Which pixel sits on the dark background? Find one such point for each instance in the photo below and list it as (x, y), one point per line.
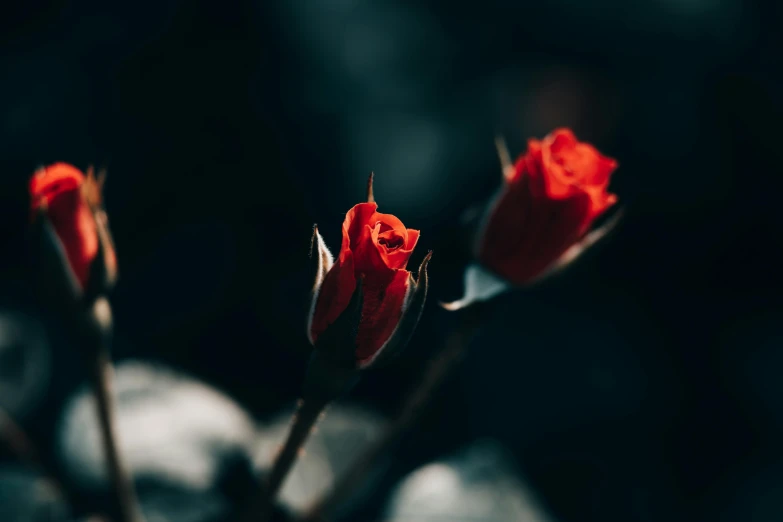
(642, 385)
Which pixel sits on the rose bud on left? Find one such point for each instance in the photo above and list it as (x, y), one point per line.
(365, 304)
(75, 267)
(67, 212)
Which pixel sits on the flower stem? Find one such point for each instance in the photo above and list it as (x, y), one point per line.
(302, 425)
(414, 406)
(122, 485)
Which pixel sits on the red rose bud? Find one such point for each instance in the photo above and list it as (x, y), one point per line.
(370, 273)
(540, 220)
(551, 197)
(66, 206)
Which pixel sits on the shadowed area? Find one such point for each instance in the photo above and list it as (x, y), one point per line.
(639, 384)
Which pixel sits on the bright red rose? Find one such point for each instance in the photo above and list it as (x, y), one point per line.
(70, 201)
(375, 247)
(551, 197)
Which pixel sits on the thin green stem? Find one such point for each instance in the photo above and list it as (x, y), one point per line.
(122, 484)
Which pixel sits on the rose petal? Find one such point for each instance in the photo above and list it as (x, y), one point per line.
(413, 238)
(559, 179)
(334, 294)
(557, 190)
(558, 226)
(74, 223)
(50, 181)
(355, 222)
(383, 307)
(395, 258)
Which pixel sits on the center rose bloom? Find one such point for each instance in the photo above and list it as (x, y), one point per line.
(551, 197)
(375, 247)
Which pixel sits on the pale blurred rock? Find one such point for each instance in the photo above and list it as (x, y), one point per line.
(478, 484)
(171, 427)
(164, 505)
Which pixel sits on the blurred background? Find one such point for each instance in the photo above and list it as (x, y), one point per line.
(642, 385)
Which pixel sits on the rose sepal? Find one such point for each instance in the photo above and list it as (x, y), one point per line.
(480, 285)
(103, 270)
(321, 261)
